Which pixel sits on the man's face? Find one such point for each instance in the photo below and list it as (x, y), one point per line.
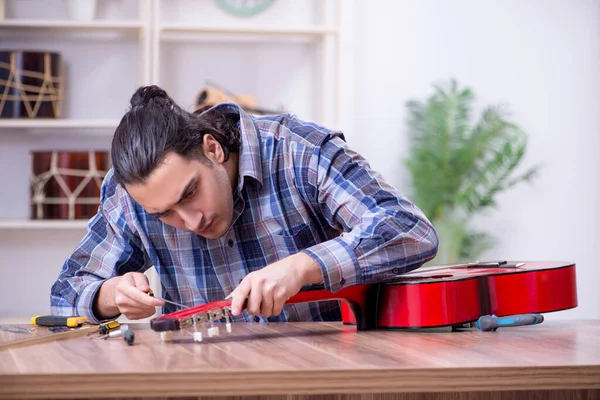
(191, 195)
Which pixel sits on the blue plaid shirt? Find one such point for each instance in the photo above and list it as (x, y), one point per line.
(300, 188)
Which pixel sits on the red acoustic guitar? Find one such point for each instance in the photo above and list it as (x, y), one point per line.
(452, 295)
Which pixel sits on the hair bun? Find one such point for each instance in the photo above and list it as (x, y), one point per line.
(144, 94)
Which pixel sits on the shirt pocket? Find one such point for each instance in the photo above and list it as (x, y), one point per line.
(286, 243)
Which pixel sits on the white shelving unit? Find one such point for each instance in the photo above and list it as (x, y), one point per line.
(58, 123)
(295, 61)
(77, 130)
(328, 28)
(153, 33)
(317, 31)
(68, 25)
(43, 224)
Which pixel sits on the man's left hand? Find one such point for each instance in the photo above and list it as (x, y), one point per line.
(268, 289)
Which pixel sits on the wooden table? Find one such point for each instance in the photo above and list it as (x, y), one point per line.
(558, 360)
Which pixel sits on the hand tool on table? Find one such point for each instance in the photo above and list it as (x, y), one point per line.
(84, 329)
(108, 327)
(491, 322)
(112, 334)
(115, 332)
(58, 320)
(63, 323)
(128, 337)
(151, 293)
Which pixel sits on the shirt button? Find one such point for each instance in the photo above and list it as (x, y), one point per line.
(257, 319)
(230, 243)
(343, 282)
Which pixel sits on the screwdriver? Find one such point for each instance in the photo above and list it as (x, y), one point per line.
(117, 333)
(491, 322)
(151, 293)
(58, 320)
(57, 323)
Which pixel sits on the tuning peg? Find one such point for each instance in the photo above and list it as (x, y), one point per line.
(213, 331)
(227, 319)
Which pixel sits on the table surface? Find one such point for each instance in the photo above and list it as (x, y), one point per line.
(274, 358)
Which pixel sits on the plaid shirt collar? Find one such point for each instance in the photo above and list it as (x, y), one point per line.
(250, 162)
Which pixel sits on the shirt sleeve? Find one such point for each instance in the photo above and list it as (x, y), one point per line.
(110, 247)
(383, 233)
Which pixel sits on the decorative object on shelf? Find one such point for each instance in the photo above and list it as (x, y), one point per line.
(458, 168)
(66, 184)
(81, 10)
(212, 95)
(244, 8)
(30, 84)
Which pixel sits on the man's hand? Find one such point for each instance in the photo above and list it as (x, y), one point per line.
(127, 295)
(268, 289)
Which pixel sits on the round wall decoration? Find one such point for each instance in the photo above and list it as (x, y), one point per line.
(244, 8)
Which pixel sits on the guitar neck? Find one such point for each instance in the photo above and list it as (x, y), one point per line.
(357, 297)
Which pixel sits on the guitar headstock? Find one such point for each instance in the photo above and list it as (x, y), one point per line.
(196, 319)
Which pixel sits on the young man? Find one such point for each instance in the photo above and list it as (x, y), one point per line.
(226, 204)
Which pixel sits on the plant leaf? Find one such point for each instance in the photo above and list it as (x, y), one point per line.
(457, 167)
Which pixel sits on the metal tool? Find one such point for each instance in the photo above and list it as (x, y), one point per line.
(491, 322)
(493, 264)
(59, 330)
(56, 323)
(151, 293)
(112, 334)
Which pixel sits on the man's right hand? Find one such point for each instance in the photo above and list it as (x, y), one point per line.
(127, 295)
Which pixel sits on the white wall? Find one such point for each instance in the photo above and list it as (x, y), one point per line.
(541, 58)
(101, 73)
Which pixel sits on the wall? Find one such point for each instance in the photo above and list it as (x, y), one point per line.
(539, 57)
(101, 72)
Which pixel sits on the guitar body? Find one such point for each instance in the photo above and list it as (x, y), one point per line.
(429, 297)
(435, 297)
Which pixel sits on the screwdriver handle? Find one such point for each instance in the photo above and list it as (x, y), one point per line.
(107, 327)
(57, 320)
(491, 322)
(128, 337)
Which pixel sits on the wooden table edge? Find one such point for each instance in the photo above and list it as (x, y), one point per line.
(234, 383)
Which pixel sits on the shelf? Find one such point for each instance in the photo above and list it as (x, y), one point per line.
(71, 25)
(58, 123)
(43, 224)
(251, 30)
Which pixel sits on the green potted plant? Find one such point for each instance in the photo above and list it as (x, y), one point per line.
(458, 167)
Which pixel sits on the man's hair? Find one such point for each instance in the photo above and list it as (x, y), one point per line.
(155, 126)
